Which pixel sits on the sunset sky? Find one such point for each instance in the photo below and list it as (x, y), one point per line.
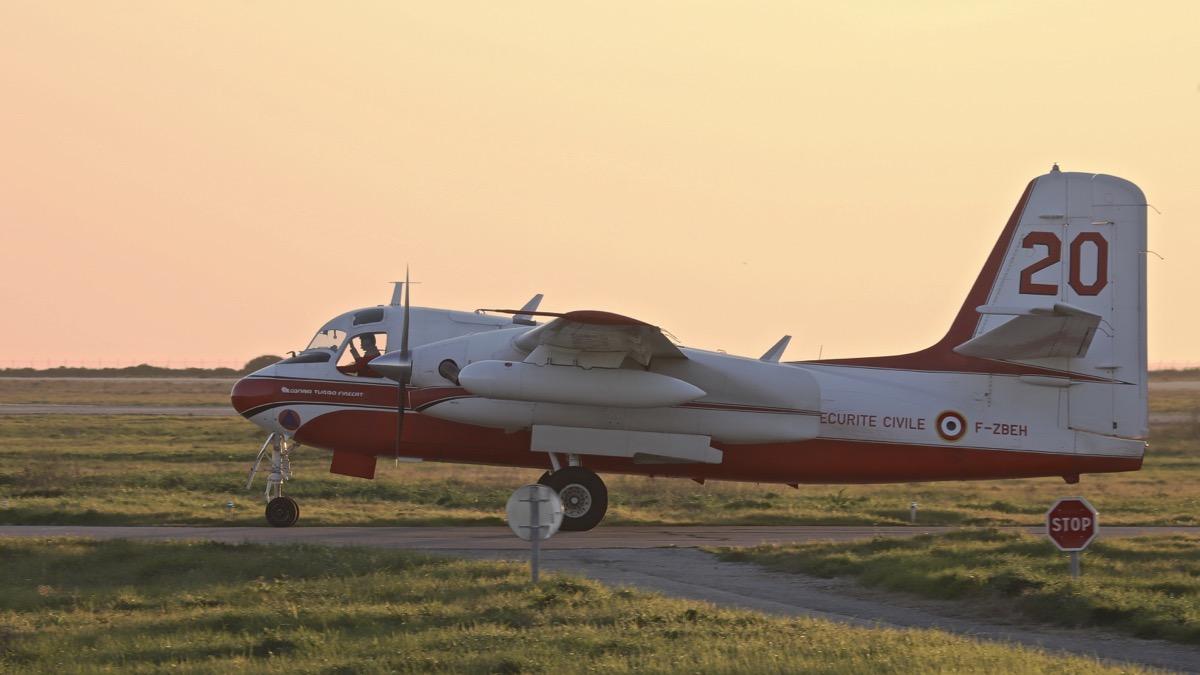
(211, 181)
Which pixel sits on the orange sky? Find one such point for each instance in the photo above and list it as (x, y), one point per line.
(213, 180)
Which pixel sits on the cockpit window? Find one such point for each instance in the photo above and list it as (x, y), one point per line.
(310, 357)
(359, 352)
(330, 338)
(373, 315)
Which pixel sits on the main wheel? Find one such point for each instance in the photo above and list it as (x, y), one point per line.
(584, 497)
(283, 512)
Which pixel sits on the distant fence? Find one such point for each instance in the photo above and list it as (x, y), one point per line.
(1174, 365)
(100, 363)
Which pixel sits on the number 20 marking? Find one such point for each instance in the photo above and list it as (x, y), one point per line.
(1053, 256)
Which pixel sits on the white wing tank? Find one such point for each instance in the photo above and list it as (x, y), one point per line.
(611, 387)
(744, 401)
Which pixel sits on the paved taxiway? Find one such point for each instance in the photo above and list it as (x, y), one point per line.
(668, 560)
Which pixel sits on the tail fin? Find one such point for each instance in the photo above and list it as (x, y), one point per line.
(1061, 301)
(1070, 296)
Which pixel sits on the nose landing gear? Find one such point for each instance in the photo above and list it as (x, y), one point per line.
(281, 511)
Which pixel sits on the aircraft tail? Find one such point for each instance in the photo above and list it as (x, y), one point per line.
(1061, 301)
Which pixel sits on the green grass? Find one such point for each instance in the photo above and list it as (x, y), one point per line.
(120, 392)
(1169, 397)
(85, 606)
(1148, 587)
(154, 470)
(133, 470)
(88, 606)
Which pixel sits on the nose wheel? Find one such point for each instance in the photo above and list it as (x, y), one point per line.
(584, 497)
(281, 511)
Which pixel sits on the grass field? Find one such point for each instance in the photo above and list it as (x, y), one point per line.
(117, 391)
(86, 606)
(148, 470)
(1148, 587)
(82, 606)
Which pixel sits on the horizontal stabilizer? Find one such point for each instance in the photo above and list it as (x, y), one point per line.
(1038, 333)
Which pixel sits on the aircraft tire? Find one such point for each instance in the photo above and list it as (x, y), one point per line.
(583, 494)
(283, 512)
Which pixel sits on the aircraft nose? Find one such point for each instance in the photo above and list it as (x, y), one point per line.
(250, 393)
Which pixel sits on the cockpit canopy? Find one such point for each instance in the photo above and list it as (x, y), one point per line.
(354, 339)
(333, 334)
(327, 338)
(343, 336)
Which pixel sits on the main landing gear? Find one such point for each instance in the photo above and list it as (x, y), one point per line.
(584, 496)
(281, 511)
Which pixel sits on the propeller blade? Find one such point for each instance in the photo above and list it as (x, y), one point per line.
(406, 372)
(398, 366)
(404, 332)
(395, 366)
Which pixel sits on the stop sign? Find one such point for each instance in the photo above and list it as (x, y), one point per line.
(1071, 524)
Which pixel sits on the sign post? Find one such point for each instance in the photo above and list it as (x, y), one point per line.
(534, 513)
(1072, 524)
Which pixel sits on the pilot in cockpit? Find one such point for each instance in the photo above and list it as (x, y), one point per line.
(361, 365)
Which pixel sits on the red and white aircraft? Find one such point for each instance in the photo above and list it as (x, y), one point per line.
(1042, 373)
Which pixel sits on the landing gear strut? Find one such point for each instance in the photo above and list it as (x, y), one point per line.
(281, 511)
(584, 496)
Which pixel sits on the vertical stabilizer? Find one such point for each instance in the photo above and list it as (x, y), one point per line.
(1060, 301)
(1075, 262)
(1070, 297)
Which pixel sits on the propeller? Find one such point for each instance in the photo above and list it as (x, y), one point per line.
(398, 366)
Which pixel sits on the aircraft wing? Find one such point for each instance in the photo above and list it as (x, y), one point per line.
(586, 350)
(1042, 332)
(591, 338)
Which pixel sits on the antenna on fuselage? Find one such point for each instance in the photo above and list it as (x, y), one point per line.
(776, 352)
(525, 319)
(398, 291)
(406, 361)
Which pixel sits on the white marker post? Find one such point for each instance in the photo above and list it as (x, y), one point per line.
(540, 520)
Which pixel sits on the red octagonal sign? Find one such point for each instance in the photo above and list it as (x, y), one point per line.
(1071, 524)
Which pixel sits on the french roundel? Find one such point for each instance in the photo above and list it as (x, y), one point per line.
(951, 426)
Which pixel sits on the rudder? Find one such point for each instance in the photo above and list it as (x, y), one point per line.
(1070, 297)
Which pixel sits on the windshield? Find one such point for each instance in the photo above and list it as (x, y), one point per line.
(330, 338)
